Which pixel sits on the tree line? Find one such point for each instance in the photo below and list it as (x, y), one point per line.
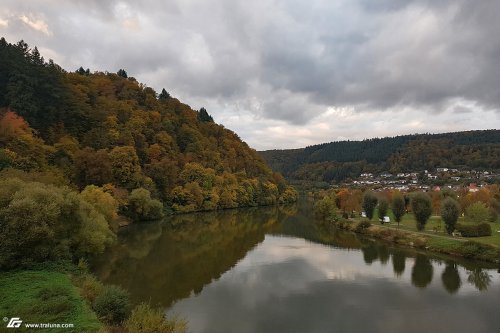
(338, 161)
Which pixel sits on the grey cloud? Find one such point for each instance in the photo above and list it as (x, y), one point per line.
(282, 60)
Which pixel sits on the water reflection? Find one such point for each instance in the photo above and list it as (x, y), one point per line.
(276, 270)
(421, 273)
(451, 278)
(479, 278)
(398, 262)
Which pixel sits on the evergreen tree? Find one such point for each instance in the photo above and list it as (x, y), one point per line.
(204, 116)
(122, 73)
(163, 95)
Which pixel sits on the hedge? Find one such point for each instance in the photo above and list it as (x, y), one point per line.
(474, 230)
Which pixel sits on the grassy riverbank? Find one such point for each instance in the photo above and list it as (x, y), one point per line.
(432, 241)
(45, 296)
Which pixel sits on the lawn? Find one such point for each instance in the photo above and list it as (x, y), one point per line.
(44, 297)
(435, 226)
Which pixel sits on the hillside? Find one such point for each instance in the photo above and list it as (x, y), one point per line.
(338, 161)
(108, 130)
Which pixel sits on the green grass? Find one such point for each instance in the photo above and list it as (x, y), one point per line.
(435, 226)
(44, 297)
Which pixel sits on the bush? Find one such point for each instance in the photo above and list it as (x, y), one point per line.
(90, 288)
(477, 212)
(421, 206)
(361, 226)
(112, 305)
(474, 230)
(144, 319)
(142, 207)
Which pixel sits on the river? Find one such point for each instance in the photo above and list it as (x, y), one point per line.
(275, 269)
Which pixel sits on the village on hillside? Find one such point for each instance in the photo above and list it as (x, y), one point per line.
(425, 180)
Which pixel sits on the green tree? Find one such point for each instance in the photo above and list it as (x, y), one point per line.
(477, 212)
(325, 208)
(369, 203)
(383, 206)
(421, 206)
(102, 201)
(450, 211)
(142, 207)
(40, 222)
(398, 207)
(125, 166)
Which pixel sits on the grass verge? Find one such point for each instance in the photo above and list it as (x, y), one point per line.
(44, 296)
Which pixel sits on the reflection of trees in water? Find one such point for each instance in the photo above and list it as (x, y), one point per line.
(421, 274)
(383, 253)
(370, 253)
(451, 278)
(164, 262)
(479, 278)
(398, 262)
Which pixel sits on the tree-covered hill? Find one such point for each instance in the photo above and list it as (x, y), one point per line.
(337, 161)
(104, 129)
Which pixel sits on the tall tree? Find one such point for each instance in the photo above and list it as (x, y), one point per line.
(398, 206)
(383, 206)
(421, 206)
(450, 211)
(369, 203)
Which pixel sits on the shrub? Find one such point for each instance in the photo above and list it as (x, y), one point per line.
(383, 206)
(90, 288)
(477, 212)
(474, 230)
(144, 319)
(143, 207)
(112, 305)
(449, 213)
(421, 206)
(369, 203)
(362, 225)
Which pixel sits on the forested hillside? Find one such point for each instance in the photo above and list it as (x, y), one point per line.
(104, 129)
(337, 161)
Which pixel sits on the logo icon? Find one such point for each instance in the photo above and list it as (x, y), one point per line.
(14, 323)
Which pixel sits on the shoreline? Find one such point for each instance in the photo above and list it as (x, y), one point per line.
(462, 248)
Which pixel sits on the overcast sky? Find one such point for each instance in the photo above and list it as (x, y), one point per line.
(289, 73)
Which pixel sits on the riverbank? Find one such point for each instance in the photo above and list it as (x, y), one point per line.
(63, 297)
(459, 247)
(45, 296)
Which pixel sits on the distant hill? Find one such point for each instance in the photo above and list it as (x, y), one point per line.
(338, 161)
(105, 129)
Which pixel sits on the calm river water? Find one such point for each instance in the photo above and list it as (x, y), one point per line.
(275, 269)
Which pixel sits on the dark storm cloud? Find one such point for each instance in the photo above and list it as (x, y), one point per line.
(288, 61)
